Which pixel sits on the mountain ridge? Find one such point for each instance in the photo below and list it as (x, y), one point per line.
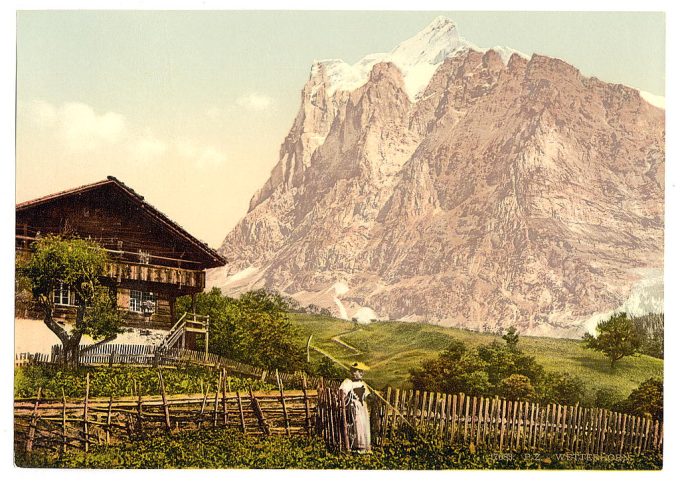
(484, 200)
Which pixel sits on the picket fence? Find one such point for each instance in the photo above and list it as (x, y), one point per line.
(506, 425)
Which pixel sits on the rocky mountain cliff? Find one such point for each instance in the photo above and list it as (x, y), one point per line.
(467, 187)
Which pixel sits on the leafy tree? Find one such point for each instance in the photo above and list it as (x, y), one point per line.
(517, 387)
(645, 400)
(650, 328)
(254, 328)
(502, 361)
(450, 371)
(329, 369)
(479, 371)
(616, 338)
(561, 388)
(511, 337)
(78, 264)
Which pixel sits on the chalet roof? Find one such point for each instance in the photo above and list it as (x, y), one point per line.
(138, 200)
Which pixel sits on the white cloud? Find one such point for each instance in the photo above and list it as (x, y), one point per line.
(147, 148)
(255, 102)
(42, 113)
(75, 127)
(78, 126)
(200, 156)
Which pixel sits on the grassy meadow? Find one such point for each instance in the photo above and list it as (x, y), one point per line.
(392, 348)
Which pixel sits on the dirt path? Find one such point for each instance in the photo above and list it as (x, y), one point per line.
(337, 340)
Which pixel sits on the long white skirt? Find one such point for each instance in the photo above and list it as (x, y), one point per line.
(360, 429)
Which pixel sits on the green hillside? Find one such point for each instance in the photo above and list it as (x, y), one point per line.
(392, 348)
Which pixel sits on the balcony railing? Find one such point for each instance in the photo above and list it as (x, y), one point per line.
(120, 270)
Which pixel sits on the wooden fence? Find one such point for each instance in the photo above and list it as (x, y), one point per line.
(66, 423)
(149, 355)
(331, 419)
(504, 425)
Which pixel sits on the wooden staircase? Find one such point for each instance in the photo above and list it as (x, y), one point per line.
(188, 322)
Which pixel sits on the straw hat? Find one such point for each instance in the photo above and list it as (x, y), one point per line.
(360, 366)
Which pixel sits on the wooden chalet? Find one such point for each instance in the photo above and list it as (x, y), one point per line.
(152, 260)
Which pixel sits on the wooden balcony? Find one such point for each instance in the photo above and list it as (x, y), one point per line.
(128, 271)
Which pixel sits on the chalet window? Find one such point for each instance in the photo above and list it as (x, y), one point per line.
(62, 295)
(142, 301)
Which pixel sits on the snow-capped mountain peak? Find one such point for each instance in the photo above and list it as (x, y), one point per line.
(431, 45)
(417, 58)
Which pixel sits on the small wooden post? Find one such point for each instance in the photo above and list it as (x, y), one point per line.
(217, 397)
(283, 403)
(521, 418)
(386, 414)
(166, 408)
(393, 411)
(467, 414)
(205, 400)
(423, 403)
(306, 397)
(207, 336)
(258, 412)
(138, 389)
(63, 421)
(473, 419)
(112, 356)
(344, 431)
(108, 422)
(454, 417)
(240, 411)
(480, 421)
(532, 428)
(225, 416)
(503, 408)
(85, 412)
(429, 408)
(34, 423)
(623, 433)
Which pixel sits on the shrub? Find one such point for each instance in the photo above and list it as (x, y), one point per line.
(561, 388)
(646, 400)
(517, 388)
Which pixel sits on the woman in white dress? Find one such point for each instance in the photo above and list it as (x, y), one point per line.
(355, 391)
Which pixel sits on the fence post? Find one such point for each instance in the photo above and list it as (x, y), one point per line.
(393, 411)
(217, 397)
(306, 398)
(138, 389)
(240, 411)
(205, 400)
(258, 412)
(34, 423)
(344, 432)
(225, 417)
(166, 409)
(283, 403)
(503, 408)
(85, 413)
(108, 421)
(63, 420)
